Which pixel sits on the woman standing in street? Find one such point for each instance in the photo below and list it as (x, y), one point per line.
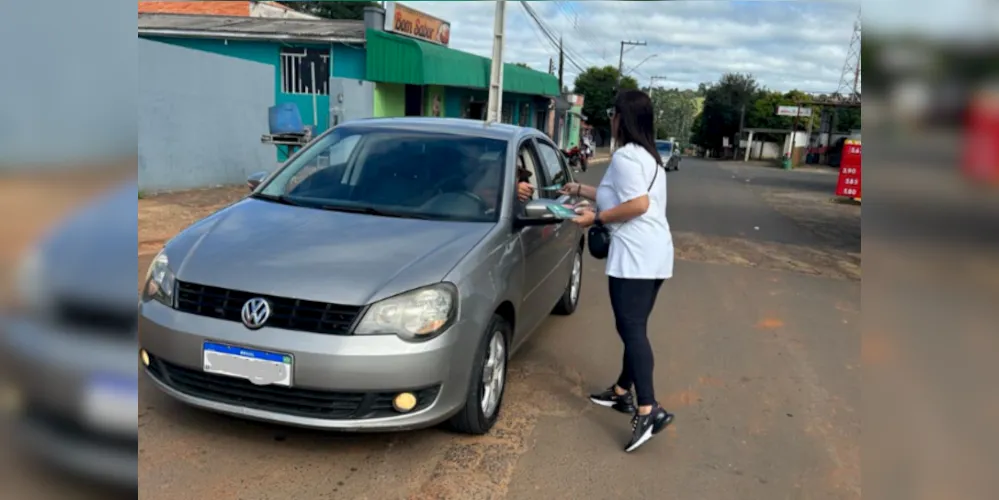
(631, 205)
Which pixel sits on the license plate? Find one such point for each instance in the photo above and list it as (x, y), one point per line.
(259, 367)
(111, 403)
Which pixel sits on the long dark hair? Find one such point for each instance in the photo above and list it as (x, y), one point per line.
(636, 123)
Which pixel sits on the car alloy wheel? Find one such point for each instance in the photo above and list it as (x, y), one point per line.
(493, 375)
(577, 278)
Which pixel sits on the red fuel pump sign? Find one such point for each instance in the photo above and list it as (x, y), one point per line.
(849, 170)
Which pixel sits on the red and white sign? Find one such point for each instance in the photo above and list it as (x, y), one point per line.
(849, 170)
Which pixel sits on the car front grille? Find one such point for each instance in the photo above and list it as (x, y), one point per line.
(289, 314)
(113, 321)
(287, 400)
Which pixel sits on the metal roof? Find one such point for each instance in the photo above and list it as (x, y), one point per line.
(251, 28)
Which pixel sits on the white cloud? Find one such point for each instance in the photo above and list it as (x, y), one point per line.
(784, 44)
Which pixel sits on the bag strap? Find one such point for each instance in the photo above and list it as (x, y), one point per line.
(654, 176)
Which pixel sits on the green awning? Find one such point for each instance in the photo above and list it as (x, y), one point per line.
(396, 59)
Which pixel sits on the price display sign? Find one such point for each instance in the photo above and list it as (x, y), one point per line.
(849, 170)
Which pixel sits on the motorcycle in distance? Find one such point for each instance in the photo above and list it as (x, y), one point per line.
(576, 158)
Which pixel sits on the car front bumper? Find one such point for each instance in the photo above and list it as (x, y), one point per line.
(53, 371)
(338, 382)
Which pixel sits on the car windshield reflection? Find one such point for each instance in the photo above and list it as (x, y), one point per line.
(397, 173)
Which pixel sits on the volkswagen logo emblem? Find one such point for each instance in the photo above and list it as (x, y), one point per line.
(255, 312)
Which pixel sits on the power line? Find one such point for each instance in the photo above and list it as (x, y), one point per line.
(574, 21)
(548, 34)
(534, 30)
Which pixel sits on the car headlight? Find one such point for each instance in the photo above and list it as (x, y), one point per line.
(418, 315)
(159, 281)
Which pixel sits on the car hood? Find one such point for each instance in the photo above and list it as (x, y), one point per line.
(311, 254)
(83, 256)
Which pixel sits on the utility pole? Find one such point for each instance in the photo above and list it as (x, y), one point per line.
(794, 131)
(620, 59)
(551, 66)
(620, 74)
(742, 125)
(494, 113)
(561, 63)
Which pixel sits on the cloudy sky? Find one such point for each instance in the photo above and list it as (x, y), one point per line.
(785, 45)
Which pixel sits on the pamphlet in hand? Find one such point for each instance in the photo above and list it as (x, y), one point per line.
(562, 211)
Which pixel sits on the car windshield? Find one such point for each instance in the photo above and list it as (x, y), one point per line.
(394, 172)
(664, 147)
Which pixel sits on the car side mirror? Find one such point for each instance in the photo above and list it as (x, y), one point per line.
(536, 213)
(254, 180)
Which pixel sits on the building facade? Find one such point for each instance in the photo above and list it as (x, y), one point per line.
(206, 84)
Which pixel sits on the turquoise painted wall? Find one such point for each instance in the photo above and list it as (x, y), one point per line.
(348, 62)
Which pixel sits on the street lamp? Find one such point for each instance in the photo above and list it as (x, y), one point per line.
(641, 63)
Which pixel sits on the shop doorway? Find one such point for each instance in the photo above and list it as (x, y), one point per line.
(476, 110)
(414, 100)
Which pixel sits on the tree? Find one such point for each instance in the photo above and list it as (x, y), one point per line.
(333, 10)
(722, 109)
(522, 65)
(847, 119)
(763, 112)
(599, 86)
(675, 111)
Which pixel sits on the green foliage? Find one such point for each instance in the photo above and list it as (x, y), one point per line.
(675, 112)
(763, 112)
(629, 83)
(333, 10)
(599, 86)
(522, 65)
(723, 104)
(848, 119)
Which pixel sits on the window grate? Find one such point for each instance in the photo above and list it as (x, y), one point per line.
(298, 67)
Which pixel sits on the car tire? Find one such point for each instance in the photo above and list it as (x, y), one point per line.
(570, 297)
(473, 418)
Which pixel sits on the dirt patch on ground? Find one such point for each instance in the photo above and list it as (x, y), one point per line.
(161, 216)
(829, 263)
(833, 220)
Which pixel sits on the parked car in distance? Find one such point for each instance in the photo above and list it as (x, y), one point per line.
(379, 280)
(671, 158)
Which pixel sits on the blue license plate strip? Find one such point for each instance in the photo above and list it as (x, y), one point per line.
(257, 366)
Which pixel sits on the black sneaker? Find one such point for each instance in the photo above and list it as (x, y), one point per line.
(643, 427)
(610, 399)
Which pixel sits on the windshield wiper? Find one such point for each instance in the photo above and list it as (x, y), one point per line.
(284, 200)
(371, 211)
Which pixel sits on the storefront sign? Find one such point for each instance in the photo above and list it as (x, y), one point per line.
(410, 22)
(849, 170)
(793, 111)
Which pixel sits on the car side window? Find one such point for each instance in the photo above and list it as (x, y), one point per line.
(555, 168)
(527, 167)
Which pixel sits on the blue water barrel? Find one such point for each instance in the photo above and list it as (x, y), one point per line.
(285, 119)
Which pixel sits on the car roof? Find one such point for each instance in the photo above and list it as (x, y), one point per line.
(461, 126)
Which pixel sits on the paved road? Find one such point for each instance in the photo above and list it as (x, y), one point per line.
(758, 355)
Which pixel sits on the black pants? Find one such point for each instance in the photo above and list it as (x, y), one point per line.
(632, 301)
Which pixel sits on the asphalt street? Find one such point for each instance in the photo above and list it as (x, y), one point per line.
(757, 339)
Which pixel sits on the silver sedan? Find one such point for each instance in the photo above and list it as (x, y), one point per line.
(379, 280)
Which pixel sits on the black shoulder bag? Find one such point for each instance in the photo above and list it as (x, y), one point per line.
(598, 238)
